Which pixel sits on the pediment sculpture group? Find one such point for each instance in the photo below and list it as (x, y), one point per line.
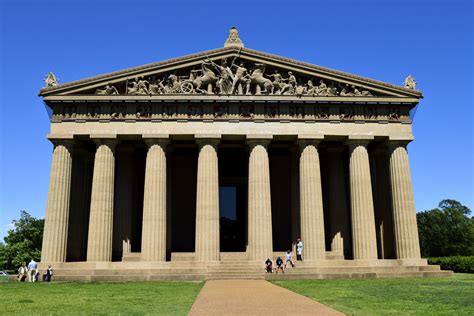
(235, 79)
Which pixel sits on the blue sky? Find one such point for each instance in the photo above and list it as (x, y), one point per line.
(385, 40)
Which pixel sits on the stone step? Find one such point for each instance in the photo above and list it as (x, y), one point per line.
(430, 268)
(312, 276)
(125, 278)
(438, 274)
(303, 270)
(233, 277)
(131, 257)
(135, 272)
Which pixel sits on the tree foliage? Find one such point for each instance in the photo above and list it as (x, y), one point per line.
(23, 242)
(446, 231)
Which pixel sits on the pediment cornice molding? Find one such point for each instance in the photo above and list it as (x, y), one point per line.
(230, 52)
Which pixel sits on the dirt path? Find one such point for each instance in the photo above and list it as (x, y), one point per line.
(254, 297)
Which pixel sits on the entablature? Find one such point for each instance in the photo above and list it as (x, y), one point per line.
(381, 110)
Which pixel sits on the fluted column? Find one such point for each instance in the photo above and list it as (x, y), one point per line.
(154, 202)
(362, 206)
(404, 214)
(99, 245)
(338, 208)
(207, 201)
(260, 243)
(57, 209)
(311, 201)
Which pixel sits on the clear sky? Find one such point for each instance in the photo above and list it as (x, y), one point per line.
(385, 40)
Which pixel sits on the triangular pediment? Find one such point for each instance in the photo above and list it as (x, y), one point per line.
(230, 71)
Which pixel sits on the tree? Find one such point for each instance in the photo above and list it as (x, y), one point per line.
(446, 231)
(23, 242)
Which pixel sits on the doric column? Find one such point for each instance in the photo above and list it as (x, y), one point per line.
(404, 214)
(338, 208)
(154, 202)
(99, 245)
(311, 201)
(57, 209)
(362, 205)
(207, 201)
(260, 244)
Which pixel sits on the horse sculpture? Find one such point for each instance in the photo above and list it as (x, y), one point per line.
(208, 77)
(257, 78)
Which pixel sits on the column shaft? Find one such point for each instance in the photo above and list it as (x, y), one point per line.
(154, 202)
(260, 244)
(404, 213)
(362, 206)
(311, 202)
(338, 208)
(57, 210)
(99, 245)
(207, 202)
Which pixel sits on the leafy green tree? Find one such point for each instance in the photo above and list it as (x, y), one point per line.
(23, 242)
(446, 231)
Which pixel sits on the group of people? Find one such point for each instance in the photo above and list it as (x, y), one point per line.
(280, 265)
(31, 272)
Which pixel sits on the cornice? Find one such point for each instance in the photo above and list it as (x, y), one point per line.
(234, 50)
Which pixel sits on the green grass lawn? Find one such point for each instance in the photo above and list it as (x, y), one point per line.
(170, 298)
(421, 296)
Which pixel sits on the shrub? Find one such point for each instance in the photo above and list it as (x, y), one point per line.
(463, 264)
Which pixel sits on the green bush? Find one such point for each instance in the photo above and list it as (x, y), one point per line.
(464, 264)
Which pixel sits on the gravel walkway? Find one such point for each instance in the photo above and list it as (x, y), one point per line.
(254, 297)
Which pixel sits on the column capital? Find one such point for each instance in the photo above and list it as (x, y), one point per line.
(353, 143)
(256, 139)
(302, 143)
(393, 144)
(203, 140)
(67, 143)
(162, 142)
(110, 142)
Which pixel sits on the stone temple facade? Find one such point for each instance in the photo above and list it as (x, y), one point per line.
(203, 166)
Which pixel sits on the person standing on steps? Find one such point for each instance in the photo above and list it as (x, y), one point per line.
(299, 250)
(289, 259)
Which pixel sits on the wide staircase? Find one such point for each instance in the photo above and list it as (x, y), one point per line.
(182, 267)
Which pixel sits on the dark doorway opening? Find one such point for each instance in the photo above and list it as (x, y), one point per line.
(232, 218)
(233, 165)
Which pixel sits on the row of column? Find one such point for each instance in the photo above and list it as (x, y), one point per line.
(259, 203)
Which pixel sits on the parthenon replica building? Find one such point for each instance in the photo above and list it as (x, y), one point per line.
(204, 166)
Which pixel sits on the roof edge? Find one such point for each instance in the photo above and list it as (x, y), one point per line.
(48, 90)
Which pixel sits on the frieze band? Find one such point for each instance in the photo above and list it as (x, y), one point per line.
(241, 111)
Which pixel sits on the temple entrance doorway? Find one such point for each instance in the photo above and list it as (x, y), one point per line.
(233, 166)
(232, 218)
